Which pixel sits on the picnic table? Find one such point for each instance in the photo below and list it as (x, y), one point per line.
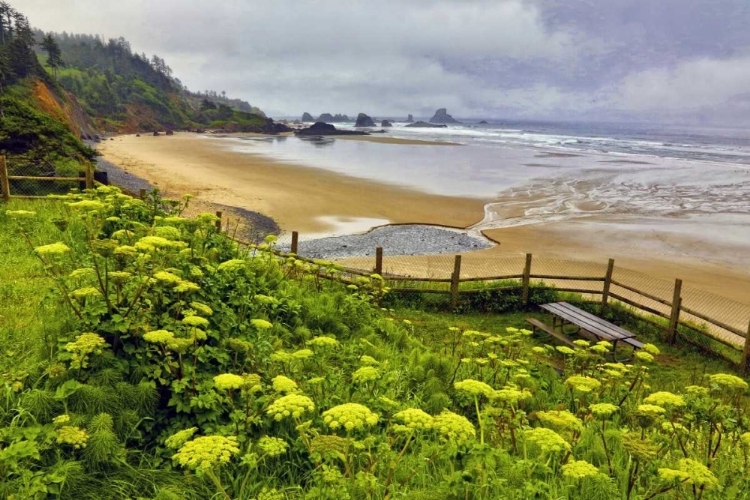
(566, 314)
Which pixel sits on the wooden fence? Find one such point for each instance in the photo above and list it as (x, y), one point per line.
(668, 314)
(86, 178)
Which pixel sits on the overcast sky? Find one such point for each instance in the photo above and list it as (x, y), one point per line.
(670, 60)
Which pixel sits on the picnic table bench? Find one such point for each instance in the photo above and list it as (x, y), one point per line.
(566, 314)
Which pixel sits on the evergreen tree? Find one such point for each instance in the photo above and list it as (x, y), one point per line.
(54, 59)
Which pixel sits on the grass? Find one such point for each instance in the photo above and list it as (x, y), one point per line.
(679, 365)
(29, 311)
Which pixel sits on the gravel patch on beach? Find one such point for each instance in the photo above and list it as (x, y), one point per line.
(121, 178)
(413, 239)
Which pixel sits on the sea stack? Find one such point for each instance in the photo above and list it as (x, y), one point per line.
(364, 121)
(386, 123)
(410, 118)
(307, 117)
(442, 116)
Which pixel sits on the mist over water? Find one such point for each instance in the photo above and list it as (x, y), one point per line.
(536, 172)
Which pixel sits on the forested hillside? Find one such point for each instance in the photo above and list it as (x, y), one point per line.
(56, 89)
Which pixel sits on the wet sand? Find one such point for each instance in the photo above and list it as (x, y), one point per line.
(313, 200)
(294, 196)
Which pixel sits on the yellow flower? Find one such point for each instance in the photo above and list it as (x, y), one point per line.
(283, 384)
(603, 410)
(561, 419)
(547, 440)
(414, 419)
(302, 354)
(202, 308)
(291, 405)
(583, 384)
(579, 469)
(179, 438)
(74, 436)
(228, 381)
(84, 345)
(365, 374)
(454, 427)
(232, 265)
(350, 416)
(207, 452)
(271, 446)
(61, 419)
(644, 356)
(158, 337)
(261, 324)
(728, 381)
(665, 399)
(195, 321)
(651, 410)
(322, 342)
(167, 277)
(565, 350)
(368, 360)
(474, 387)
(651, 349)
(511, 394)
(87, 291)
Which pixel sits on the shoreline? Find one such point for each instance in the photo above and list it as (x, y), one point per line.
(317, 202)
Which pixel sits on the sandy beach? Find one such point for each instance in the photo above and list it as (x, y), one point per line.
(296, 197)
(317, 201)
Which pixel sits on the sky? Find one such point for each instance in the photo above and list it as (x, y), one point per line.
(678, 61)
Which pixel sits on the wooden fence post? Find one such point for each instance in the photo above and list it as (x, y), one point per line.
(89, 176)
(526, 279)
(218, 222)
(295, 242)
(379, 261)
(607, 284)
(4, 183)
(744, 368)
(675, 317)
(455, 277)
(142, 194)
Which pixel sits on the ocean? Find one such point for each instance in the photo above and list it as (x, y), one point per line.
(667, 178)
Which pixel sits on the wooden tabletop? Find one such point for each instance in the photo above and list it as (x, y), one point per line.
(587, 321)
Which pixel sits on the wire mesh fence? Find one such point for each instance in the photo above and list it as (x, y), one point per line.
(22, 178)
(715, 317)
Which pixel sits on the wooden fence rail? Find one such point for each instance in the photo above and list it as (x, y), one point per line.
(87, 178)
(671, 317)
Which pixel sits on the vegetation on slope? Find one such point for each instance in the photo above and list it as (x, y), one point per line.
(190, 368)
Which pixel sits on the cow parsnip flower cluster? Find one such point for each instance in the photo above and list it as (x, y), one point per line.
(272, 446)
(560, 419)
(83, 346)
(52, 250)
(291, 405)
(365, 374)
(206, 452)
(229, 382)
(350, 416)
(158, 337)
(651, 410)
(368, 360)
(547, 440)
(583, 384)
(201, 308)
(87, 291)
(283, 384)
(195, 321)
(414, 419)
(474, 387)
(728, 381)
(72, 435)
(603, 410)
(453, 427)
(690, 471)
(665, 399)
(511, 394)
(322, 342)
(579, 469)
(644, 356)
(176, 440)
(61, 419)
(261, 324)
